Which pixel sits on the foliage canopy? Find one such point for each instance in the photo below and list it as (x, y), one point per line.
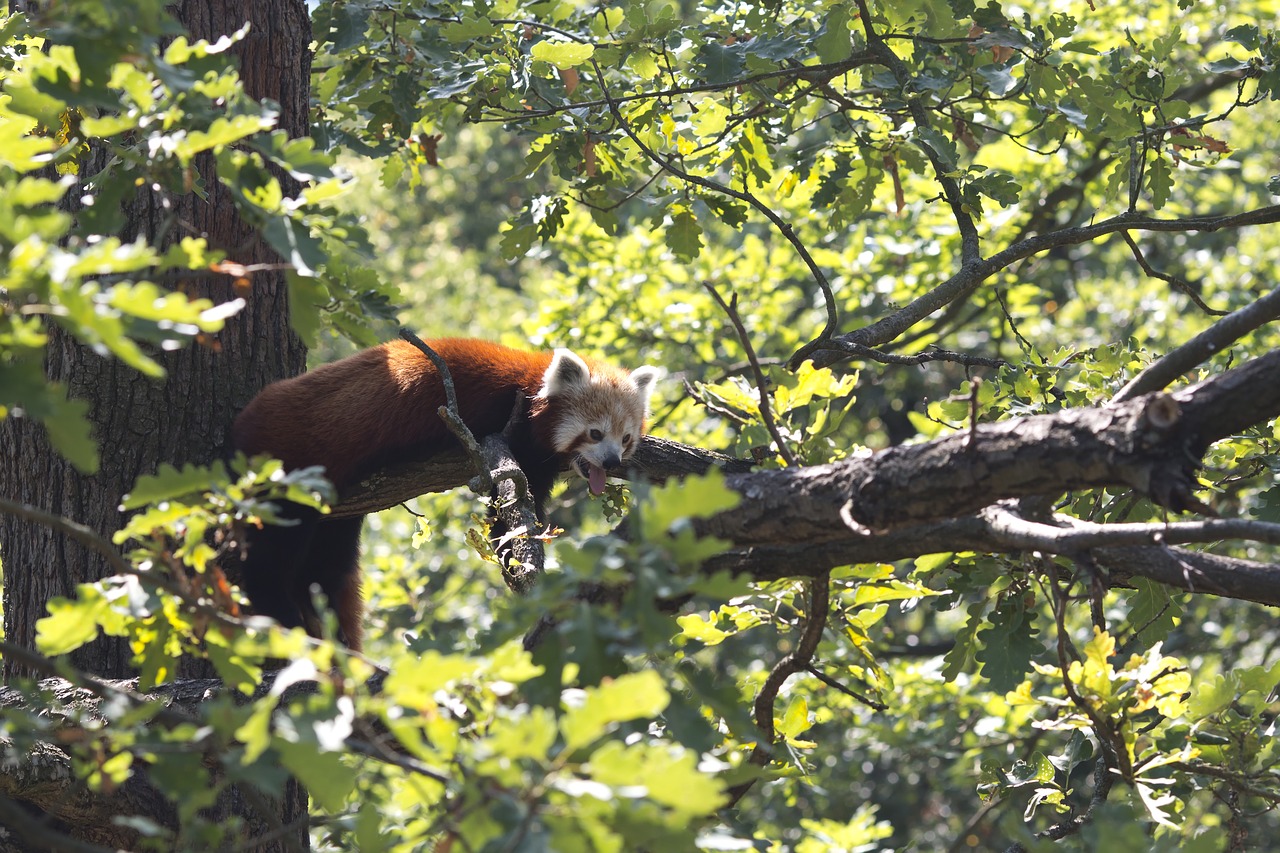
(1051, 199)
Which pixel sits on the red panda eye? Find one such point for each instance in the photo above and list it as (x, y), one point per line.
(626, 439)
(596, 435)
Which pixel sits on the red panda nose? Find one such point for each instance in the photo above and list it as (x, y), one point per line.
(611, 461)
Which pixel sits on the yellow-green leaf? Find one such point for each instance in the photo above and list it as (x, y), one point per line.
(562, 54)
(629, 697)
(70, 623)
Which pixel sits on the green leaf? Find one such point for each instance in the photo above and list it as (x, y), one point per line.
(414, 682)
(666, 512)
(467, 29)
(1152, 612)
(294, 242)
(834, 44)
(298, 156)
(307, 299)
(31, 192)
(795, 721)
(644, 65)
(1008, 645)
(893, 590)
(966, 646)
(721, 63)
(110, 125)
(221, 133)
(529, 736)
(1159, 181)
(669, 775)
(1211, 695)
(233, 668)
(169, 482)
(19, 150)
(327, 778)
(638, 695)
(939, 146)
(704, 631)
(928, 563)
(71, 623)
(71, 435)
(562, 54)
(684, 236)
(1037, 771)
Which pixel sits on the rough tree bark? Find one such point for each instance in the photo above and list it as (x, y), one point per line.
(139, 423)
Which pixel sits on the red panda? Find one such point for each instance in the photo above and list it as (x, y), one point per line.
(371, 408)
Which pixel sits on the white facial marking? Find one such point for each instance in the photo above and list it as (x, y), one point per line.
(567, 373)
(644, 379)
(596, 412)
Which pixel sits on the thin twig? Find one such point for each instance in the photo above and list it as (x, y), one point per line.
(784, 228)
(971, 445)
(846, 690)
(1103, 779)
(1180, 285)
(799, 660)
(451, 415)
(762, 384)
(971, 276)
(931, 354)
(970, 249)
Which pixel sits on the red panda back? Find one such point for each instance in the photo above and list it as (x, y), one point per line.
(384, 400)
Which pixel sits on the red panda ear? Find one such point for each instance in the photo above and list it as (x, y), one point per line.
(644, 378)
(567, 372)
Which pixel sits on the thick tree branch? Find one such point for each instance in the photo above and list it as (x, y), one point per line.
(1191, 571)
(655, 459)
(1151, 444)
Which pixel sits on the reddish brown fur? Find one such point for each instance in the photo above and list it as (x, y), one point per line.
(385, 399)
(364, 410)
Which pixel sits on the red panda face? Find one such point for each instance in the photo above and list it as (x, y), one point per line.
(598, 416)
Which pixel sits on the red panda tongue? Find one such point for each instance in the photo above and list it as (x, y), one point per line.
(595, 479)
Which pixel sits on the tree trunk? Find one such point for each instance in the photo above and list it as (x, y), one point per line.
(140, 423)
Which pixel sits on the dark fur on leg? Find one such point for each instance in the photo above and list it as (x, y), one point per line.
(273, 562)
(333, 564)
(283, 563)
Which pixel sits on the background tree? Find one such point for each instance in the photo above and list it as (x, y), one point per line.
(992, 633)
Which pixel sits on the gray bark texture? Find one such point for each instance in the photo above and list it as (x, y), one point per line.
(139, 423)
